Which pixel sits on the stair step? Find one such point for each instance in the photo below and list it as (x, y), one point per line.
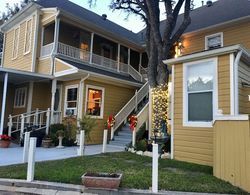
(120, 141)
(124, 134)
(125, 139)
(117, 144)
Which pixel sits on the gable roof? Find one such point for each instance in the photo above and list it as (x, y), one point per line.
(220, 12)
(89, 16)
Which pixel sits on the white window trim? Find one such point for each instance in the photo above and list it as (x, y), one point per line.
(187, 123)
(25, 39)
(17, 44)
(65, 98)
(102, 105)
(214, 35)
(25, 97)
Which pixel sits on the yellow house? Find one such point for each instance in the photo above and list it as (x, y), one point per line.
(61, 60)
(210, 91)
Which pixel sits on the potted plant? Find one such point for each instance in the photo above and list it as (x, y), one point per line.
(47, 141)
(60, 135)
(102, 180)
(4, 141)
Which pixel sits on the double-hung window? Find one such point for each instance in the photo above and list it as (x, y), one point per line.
(20, 97)
(71, 93)
(199, 93)
(94, 101)
(28, 35)
(15, 43)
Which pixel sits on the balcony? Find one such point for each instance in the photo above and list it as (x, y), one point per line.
(87, 57)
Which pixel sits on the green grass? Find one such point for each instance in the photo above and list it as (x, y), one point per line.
(173, 175)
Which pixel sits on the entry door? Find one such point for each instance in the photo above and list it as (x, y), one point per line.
(58, 97)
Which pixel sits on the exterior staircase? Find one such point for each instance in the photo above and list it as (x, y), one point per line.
(123, 137)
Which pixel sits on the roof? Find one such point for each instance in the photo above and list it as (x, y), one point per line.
(99, 71)
(220, 12)
(86, 15)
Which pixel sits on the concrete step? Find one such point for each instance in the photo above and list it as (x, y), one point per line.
(120, 141)
(125, 139)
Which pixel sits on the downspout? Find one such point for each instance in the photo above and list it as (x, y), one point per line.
(81, 85)
(33, 68)
(236, 82)
(56, 36)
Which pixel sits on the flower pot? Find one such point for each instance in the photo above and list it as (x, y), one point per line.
(101, 180)
(4, 143)
(46, 143)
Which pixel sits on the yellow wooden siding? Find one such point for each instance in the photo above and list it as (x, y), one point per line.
(235, 34)
(22, 62)
(115, 97)
(41, 96)
(244, 92)
(232, 152)
(44, 66)
(224, 83)
(59, 66)
(191, 144)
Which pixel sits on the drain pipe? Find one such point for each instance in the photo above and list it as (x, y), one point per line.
(80, 97)
(236, 82)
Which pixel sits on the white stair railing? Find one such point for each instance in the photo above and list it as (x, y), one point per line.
(37, 120)
(122, 115)
(134, 73)
(142, 117)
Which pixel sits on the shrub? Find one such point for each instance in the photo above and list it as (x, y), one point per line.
(141, 145)
(53, 129)
(87, 124)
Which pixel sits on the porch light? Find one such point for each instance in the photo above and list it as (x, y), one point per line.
(178, 48)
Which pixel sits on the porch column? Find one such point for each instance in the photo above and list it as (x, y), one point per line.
(140, 62)
(4, 102)
(150, 114)
(91, 48)
(118, 57)
(30, 95)
(128, 56)
(53, 92)
(56, 34)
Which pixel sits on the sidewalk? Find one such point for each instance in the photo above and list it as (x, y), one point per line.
(15, 153)
(53, 188)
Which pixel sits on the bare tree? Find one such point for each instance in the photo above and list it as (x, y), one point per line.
(159, 43)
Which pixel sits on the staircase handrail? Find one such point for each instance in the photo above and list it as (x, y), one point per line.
(134, 73)
(122, 115)
(142, 116)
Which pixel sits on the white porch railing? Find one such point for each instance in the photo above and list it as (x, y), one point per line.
(104, 62)
(46, 50)
(142, 117)
(73, 52)
(36, 120)
(121, 116)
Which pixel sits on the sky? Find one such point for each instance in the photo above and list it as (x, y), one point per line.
(133, 23)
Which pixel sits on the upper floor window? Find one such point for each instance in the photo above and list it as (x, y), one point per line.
(71, 93)
(214, 41)
(20, 97)
(95, 101)
(199, 93)
(28, 35)
(15, 43)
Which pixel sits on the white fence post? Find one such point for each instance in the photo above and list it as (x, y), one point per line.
(10, 125)
(105, 136)
(155, 168)
(112, 133)
(26, 147)
(22, 127)
(134, 137)
(47, 121)
(31, 160)
(82, 140)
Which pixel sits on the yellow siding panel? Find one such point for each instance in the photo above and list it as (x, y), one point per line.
(59, 66)
(22, 62)
(232, 152)
(44, 66)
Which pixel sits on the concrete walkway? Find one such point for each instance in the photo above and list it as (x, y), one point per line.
(14, 154)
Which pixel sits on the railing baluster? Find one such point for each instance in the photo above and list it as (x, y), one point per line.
(22, 127)
(10, 125)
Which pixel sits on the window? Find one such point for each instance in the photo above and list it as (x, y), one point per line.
(94, 101)
(199, 93)
(20, 97)
(15, 43)
(28, 34)
(214, 41)
(71, 93)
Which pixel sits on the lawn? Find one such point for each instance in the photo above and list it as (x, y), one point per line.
(173, 175)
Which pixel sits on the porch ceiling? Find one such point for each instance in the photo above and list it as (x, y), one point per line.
(16, 77)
